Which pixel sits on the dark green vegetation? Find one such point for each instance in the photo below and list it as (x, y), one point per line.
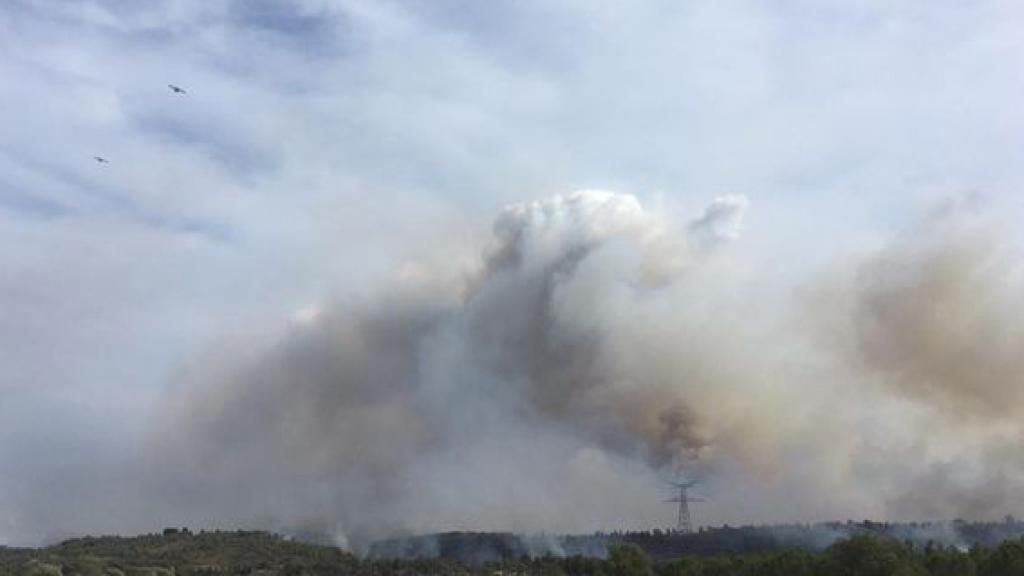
(176, 553)
(258, 553)
(480, 547)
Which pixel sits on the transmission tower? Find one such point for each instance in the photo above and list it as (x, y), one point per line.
(683, 523)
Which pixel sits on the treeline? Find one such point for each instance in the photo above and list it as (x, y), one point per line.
(177, 552)
(718, 541)
(481, 547)
(182, 553)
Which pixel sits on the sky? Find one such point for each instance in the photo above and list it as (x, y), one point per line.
(326, 149)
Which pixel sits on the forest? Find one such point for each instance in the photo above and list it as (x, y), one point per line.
(662, 545)
(180, 552)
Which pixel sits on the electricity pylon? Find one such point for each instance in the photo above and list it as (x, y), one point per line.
(683, 523)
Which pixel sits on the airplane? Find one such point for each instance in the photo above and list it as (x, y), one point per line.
(101, 160)
(176, 89)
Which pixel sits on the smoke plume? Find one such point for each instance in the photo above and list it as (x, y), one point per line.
(595, 348)
(586, 327)
(934, 320)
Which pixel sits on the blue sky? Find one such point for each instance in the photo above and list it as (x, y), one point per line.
(324, 143)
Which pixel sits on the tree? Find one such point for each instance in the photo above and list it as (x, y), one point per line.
(948, 561)
(685, 566)
(871, 555)
(629, 560)
(785, 563)
(1006, 560)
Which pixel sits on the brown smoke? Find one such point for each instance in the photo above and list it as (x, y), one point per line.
(934, 320)
(939, 317)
